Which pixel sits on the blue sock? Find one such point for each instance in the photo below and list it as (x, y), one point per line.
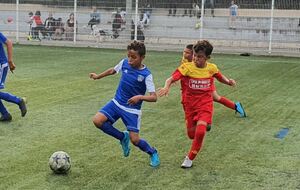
(144, 146)
(110, 130)
(9, 97)
(3, 110)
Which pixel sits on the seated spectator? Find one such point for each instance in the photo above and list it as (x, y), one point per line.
(69, 30)
(49, 25)
(172, 7)
(123, 16)
(59, 30)
(188, 5)
(95, 17)
(145, 20)
(37, 25)
(116, 25)
(140, 33)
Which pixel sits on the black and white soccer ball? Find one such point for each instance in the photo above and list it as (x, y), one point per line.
(60, 162)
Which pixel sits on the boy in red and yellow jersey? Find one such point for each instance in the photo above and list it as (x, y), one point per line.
(198, 102)
(188, 58)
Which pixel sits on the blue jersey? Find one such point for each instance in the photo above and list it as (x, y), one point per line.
(3, 58)
(133, 82)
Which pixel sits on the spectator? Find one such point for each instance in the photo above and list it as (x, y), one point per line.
(123, 16)
(212, 6)
(116, 25)
(148, 9)
(30, 22)
(37, 25)
(140, 33)
(233, 13)
(49, 25)
(172, 7)
(145, 20)
(95, 17)
(69, 30)
(196, 10)
(59, 29)
(188, 5)
(299, 22)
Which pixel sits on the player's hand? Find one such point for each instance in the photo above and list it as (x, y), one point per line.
(134, 100)
(232, 82)
(12, 66)
(162, 92)
(93, 76)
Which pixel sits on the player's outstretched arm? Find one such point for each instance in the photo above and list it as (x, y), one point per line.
(223, 79)
(166, 89)
(108, 72)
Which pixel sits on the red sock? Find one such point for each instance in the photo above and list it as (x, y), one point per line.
(226, 102)
(197, 142)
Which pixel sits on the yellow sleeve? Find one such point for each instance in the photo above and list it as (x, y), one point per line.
(183, 69)
(214, 69)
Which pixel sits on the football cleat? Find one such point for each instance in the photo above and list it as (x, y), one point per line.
(6, 118)
(125, 144)
(187, 163)
(239, 108)
(154, 159)
(22, 106)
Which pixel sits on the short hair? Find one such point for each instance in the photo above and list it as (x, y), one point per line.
(189, 46)
(38, 13)
(137, 46)
(203, 46)
(30, 13)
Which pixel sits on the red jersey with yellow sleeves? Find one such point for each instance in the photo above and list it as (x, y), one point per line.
(200, 80)
(198, 93)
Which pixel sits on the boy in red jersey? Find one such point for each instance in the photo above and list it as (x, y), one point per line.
(237, 106)
(198, 103)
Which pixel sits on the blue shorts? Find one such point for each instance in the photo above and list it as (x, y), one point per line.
(233, 13)
(130, 117)
(3, 74)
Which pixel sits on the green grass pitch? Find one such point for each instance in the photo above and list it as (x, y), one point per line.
(238, 153)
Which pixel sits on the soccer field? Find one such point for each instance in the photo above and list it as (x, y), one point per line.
(238, 153)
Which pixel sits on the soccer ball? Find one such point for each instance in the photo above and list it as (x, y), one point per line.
(60, 162)
(197, 25)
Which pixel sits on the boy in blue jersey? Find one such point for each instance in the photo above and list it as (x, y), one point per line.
(5, 64)
(136, 79)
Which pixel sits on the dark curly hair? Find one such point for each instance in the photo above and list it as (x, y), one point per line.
(137, 46)
(189, 46)
(203, 46)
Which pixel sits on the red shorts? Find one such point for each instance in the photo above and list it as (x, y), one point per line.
(198, 111)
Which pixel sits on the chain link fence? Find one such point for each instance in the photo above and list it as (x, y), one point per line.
(256, 26)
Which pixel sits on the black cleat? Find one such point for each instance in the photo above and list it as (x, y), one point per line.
(7, 118)
(22, 106)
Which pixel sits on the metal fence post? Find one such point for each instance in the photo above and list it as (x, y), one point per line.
(17, 21)
(271, 27)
